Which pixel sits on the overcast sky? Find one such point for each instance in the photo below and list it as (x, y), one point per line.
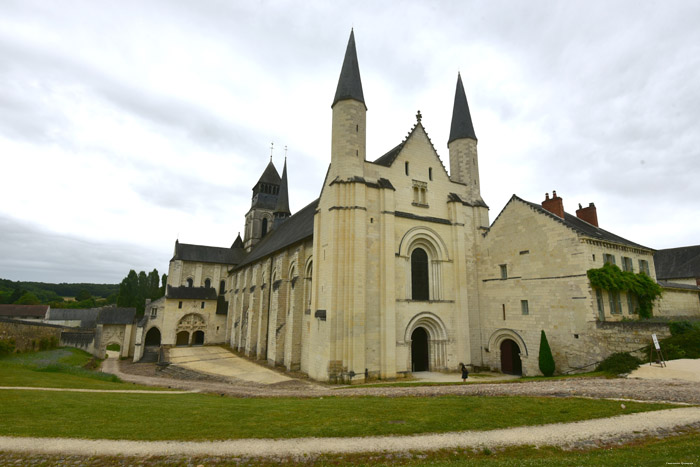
(125, 125)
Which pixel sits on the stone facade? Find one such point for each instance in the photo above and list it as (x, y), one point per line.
(395, 268)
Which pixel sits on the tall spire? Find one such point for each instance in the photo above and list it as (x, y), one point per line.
(349, 83)
(462, 126)
(282, 208)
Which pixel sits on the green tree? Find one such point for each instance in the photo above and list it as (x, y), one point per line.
(154, 285)
(83, 295)
(28, 299)
(163, 284)
(128, 289)
(546, 358)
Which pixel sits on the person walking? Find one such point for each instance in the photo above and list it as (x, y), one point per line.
(465, 372)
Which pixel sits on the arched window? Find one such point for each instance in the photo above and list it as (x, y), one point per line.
(222, 287)
(264, 227)
(207, 283)
(419, 275)
(190, 282)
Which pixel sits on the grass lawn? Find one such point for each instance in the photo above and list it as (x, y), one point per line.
(677, 450)
(205, 417)
(59, 368)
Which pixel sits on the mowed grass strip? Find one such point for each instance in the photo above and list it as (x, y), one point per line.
(59, 368)
(207, 417)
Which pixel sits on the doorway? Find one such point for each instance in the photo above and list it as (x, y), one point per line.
(510, 358)
(419, 350)
(198, 338)
(182, 339)
(153, 337)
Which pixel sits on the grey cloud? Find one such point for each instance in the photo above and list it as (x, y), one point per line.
(28, 252)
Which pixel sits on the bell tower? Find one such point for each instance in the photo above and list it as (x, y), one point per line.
(349, 127)
(464, 160)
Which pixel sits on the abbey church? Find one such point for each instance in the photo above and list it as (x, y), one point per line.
(396, 268)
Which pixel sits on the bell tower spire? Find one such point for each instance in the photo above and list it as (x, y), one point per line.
(464, 161)
(348, 140)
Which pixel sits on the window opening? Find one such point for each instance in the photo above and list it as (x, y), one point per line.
(190, 282)
(406, 167)
(419, 275)
(222, 287)
(207, 283)
(264, 227)
(524, 307)
(504, 271)
(430, 173)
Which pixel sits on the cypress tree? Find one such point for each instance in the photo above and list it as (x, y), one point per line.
(546, 358)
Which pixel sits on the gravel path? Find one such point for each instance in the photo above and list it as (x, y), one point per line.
(676, 391)
(560, 434)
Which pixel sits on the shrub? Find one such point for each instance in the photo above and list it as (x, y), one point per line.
(546, 358)
(619, 363)
(681, 327)
(683, 345)
(7, 347)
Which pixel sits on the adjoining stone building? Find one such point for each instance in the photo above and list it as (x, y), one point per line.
(395, 268)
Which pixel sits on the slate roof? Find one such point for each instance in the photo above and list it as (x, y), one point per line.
(580, 226)
(114, 315)
(207, 254)
(387, 159)
(270, 175)
(283, 196)
(294, 229)
(676, 263)
(24, 311)
(86, 316)
(349, 83)
(461, 126)
(674, 285)
(191, 293)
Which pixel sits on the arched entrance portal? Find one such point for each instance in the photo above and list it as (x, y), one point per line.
(419, 350)
(198, 338)
(510, 358)
(153, 337)
(182, 339)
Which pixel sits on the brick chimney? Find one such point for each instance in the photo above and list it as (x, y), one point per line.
(555, 205)
(588, 214)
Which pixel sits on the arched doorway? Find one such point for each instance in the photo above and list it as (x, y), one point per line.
(198, 338)
(153, 337)
(419, 350)
(182, 339)
(510, 358)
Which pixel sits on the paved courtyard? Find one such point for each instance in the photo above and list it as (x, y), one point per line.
(218, 361)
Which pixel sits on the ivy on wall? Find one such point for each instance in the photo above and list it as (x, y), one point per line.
(613, 279)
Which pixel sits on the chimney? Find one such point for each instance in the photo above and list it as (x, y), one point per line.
(588, 214)
(555, 205)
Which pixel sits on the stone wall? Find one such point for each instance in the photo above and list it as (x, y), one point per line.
(28, 335)
(678, 302)
(608, 337)
(84, 340)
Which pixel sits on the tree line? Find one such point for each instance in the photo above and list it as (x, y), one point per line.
(133, 291)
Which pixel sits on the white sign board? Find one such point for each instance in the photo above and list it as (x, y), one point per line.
(656, 342)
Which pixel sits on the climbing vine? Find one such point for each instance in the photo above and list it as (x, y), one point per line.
(613, 279)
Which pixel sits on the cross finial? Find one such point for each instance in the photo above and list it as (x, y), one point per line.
(272, 147)
(285, 152)
(419, 116)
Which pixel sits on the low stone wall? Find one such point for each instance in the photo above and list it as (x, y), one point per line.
(84, 340)
(608, 337)
(28, 336)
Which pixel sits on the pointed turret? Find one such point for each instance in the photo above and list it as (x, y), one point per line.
(349, 83)
(464, 160)
(462, 126)
(282, 208)
(348, 139)
(238, 242)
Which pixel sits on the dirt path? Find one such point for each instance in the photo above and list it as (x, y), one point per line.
(561, 434)
(600, 388)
